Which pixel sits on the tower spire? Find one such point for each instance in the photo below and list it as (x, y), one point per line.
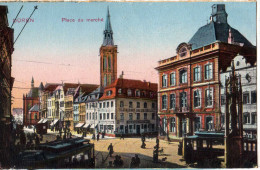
(32, 83)
(108, 33)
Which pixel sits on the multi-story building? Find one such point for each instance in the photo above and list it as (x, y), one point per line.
(6, 85)
(189, 83)
(248, 81)
(93, 110)
(128, 107)
(69, 111)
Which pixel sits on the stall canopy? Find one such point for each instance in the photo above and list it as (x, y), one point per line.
(54, 122)
(93, 126)
(86, 126)
(79, 125)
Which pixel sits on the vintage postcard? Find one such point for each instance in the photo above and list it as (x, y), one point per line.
(128, 85)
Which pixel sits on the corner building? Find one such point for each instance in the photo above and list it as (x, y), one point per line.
(189, 83)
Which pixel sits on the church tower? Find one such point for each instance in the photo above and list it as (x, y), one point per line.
(108, 56)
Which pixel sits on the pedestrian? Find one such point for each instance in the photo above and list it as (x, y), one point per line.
(111, 149)
(157, 142)
(37, 140)
(137, 160)
(118, 162)
(98, 137)
(132, 164)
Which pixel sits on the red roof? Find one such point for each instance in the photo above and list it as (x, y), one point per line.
(50, 86)
(124, 84)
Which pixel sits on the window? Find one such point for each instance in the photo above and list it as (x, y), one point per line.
(112, 115)
(145, 105)
(246, 98)
(119, 91)
(223, 99)
(246, 118)
(93, 116)
(145, 116)
(183, 99)
(104, 104)
(129, 92)
(208, 71)
(164, 80)
(131, 128)
(197, 123)
(208, 97)
(112, 104)
(104, 116)
(196, 73)
(87, 116)
(196, 98)
(253, 115)
(130, 104)
(153, 116)
(105, 80)
(96, 116)
(35, 115)
(100, 105)
(109, 93)
(121, 116)
(137, 93)
(153, 105)
(183, 76)
(172, 79)
(137, 116)
(172, 125)
(172, 101)
(107, 104)
(121, 104)
(138, 105)
(253, 97)
(130, 116)
(164, 102)
(107, 115)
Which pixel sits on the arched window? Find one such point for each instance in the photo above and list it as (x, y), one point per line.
(35, 115)
(105, 80)
(183, 76)
(109, 79)
(109, 62)
(104, 63)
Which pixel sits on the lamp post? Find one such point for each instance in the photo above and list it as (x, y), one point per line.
(95, 116)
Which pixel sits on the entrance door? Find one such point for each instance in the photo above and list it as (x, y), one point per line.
(126, 129)
(138, 129)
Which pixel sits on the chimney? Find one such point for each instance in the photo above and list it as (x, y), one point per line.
(230, 37)
(145, 81)
(122, 75)
(219, 14)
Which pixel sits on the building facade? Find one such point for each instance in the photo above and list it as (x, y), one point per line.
(248, 81)
(189, 83)
(129, 107)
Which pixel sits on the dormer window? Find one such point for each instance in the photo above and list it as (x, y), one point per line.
(129, 92)
(183, 52)
(137, 93)
(119, 91)
(109, 93)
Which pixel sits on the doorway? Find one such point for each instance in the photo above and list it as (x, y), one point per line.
(138, 129)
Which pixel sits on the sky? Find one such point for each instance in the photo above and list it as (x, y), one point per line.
(144, 32)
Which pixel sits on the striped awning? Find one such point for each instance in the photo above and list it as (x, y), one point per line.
(54, 122)
(86, 125)
(44, 120)
(40, 121)
(79, 125)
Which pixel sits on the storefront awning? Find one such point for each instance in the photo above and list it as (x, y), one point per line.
(40, 121)
(44, 120)
(93, 126)
(86, 125)
(79, 125)
(54, 122)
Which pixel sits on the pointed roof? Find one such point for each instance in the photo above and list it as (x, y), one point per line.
(32, 80)
(108, 32)
(108, 23)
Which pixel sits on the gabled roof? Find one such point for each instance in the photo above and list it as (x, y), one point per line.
(213, 32)
(50, 86)
(35, 108)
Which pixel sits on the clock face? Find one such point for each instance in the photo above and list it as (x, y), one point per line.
(183, 52)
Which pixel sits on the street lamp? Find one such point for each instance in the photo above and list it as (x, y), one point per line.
(95, 116)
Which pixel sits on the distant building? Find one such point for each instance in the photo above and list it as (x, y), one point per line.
(189, 83)
(18, 115)
(30, 100)
(128, 107)
(248, 80)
